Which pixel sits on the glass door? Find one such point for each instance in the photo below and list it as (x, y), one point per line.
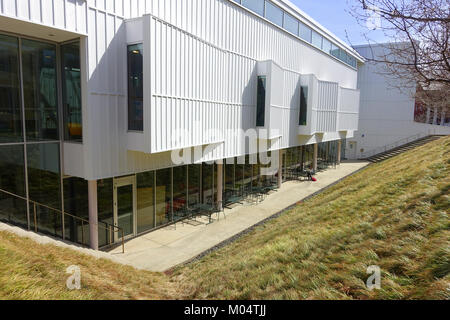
(125, 206)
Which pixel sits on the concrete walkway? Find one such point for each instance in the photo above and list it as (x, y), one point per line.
(167, 247)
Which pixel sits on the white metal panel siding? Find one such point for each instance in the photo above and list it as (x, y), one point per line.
(205, 54)
(348, 114)
(326, 108)
(67, 15)
(198, 90)
(206, 72)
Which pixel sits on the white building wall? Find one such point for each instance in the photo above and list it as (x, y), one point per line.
(219, 37)
(386, 113)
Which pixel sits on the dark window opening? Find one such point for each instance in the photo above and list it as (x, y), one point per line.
(261, 102)
(303, 105)
(135, 88)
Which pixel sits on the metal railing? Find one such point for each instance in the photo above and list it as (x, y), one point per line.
(393, 145)
(111, 230)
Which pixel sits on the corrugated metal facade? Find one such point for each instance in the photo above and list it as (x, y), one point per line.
(204, 55)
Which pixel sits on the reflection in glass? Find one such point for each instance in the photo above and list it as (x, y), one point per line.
(145, 201)
(229, 180)
(39, 87)
(207, 183)
(194, 172)
(254, 5)
(326, 46)
(179, 191)
(316, 40)
(71, 87)
(248, 174)
(290, 24)
(44, 186)
(239, 173)
(256, 172)
(305, 32)
(76, 203)
(12, 179)
(125, 209)
(274, 14)
(105, 203)
(135, 88)
(163, 196)
(10, 111)
(335, 51)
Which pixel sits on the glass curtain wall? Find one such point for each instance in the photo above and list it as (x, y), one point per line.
(229, 189)
(40, 90)
(10, 105)
(76, 203)
(44, 186)
(12, 179)
(30, 135)
(163, 196)
(145, 201)
(207, 183)
(179, 191)
(105, 203)
(71, 89)
(195, 184)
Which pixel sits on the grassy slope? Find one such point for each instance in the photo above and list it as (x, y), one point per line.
(393, 214)
(32, 271)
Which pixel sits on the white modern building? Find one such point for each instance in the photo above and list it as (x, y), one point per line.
(97, 95)
(386, 117)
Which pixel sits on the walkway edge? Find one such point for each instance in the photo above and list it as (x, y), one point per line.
(239, 235)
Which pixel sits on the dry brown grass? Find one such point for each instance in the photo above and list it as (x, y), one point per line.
(393, 214)
(33, 271)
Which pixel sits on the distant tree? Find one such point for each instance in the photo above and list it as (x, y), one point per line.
(423, 29)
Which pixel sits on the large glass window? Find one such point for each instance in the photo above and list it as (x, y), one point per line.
(105, 203)
(305, 32)
(303, 105)
(274, 14)
(163, 196)
(278, 16)
(40, 90)
(194, 172)
(145, 203)
(261, 102)
(10, 110)
(207, 183)
(335, 51)
(290, 24)
(76, 203)
(135, 88)
(71, 86)
(12, 179)
(254, 5)
(44, 186)
(179, 191)
(229, 180)
(316, 40)
(326, 46)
